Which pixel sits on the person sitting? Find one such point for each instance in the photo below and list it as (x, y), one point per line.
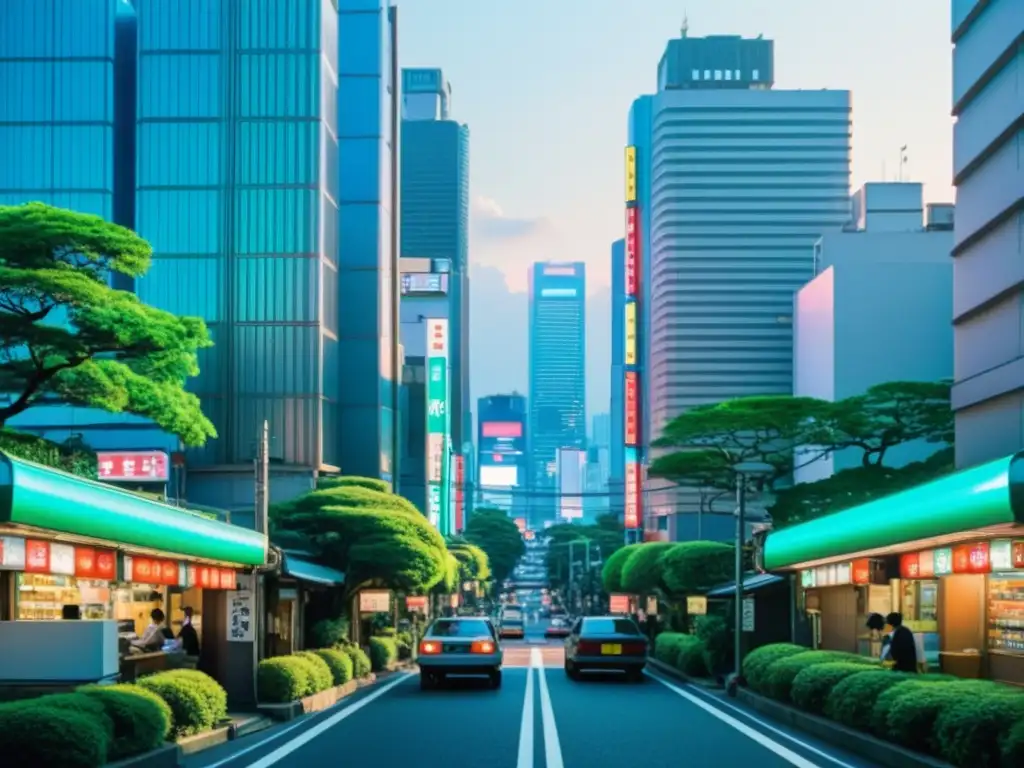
(153, 638)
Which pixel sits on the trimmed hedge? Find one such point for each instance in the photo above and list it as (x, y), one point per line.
(681, 651)
(142, 720)
(383, 653)
(339, 662)
(212, 691)
(361, 666)
(970, 733)
(716, 635)
(780, 674)
(320, 677)
(812, 685)
(282, 679)
(35, 735)
(853, 698)
(1013, 745)
(191, 710)
(756, 663)
(879, 723)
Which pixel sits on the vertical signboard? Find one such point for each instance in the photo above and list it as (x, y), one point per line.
(634, 481)
(630, 174)
(633, 491)
(632, 415)
(632, 251)
(438, 511)
(459, 473)
(630, 333)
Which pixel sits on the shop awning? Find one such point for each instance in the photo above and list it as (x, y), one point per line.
(751, 583)
(41, 497)
(981, 497)
(304, 570)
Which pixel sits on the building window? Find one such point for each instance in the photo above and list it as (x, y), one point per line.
(757, 74)
(695, 74)
(738, 75)
(707, 74)
(728, 74)
(718, 74)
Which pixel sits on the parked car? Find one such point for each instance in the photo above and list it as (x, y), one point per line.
(605, 643)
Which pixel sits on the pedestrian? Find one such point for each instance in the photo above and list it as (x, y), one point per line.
(902, 647)
(188, 637)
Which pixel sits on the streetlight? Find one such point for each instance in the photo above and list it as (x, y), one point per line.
(745, 471)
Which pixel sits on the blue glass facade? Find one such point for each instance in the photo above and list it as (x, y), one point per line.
(368, 340)
(237, 190)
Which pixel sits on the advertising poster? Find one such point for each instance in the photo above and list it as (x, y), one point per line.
(632, 414)
(632, 251)
(630, 174)
(438, 430)
(630, 333)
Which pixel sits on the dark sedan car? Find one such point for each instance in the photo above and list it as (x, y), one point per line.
(605, 643)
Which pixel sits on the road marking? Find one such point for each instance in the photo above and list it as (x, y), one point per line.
(552, 745)
(789, 737)
(526, 727)
(785, 753)
(307, 736)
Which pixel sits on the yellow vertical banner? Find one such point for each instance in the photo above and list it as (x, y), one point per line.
(630, 174)
(631, 333)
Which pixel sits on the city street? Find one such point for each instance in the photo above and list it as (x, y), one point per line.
(538, 718)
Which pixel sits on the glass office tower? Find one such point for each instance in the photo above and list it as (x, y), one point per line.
(237, 190)
(558, 390)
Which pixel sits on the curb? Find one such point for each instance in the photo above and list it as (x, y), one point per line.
(670, 671)
(877, 751)
(189, 745)
(167, 756)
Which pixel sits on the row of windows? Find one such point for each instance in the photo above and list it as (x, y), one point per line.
(56, 91)
(56, 157)
(726, 75)
(748, 145)
(57, 29)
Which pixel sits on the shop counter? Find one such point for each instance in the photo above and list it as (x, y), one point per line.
(1006, 667)
(961, 664)
(58, 652)
(136, 665)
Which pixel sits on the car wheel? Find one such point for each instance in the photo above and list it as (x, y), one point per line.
(571, 671)
(426, 681)
(496, 678)
(636, 675)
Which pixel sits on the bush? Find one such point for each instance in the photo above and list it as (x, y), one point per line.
(190, 707)
(142, 720)
(328, 633)
(214, 693)
(282, 679)
(667, 646)
(853, 698)
(1013, 746)
(404, 642)
(782, 673)
(383, 653)
(73, 702)
(969, 733)
(813, 684)
(716, 635)
(339, 662)
(361, 665)
(910, 721)
(320, 676)
(35, 735)
(756, 663)
(888, 698)
(682, 652)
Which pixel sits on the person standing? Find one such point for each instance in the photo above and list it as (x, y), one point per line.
(902, 648)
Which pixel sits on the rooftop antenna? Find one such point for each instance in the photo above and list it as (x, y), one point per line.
(685, 30)
(903, 160)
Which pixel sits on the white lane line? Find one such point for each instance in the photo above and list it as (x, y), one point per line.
(762, 724)
(786, 754)
(526, 728)
(552, 745)
(307, 736)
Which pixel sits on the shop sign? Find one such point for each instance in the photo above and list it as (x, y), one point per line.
(632, 252)
(618, 604)
(696, 605)
(208, 577)
(150, 570)
(861, 571)
(12, 553)
(926, 564)
(748, 614)
(943, 561)
(240, 617)
(93, 563)
(632, 416)
(630, 174)
(844, 573)
(807, 580)
(62, 559)
(37, 556)
(1018, 554)
(910, 566)
(630, 353)
(416, 603)
(374, 601)
(138, 466)
(980, 558)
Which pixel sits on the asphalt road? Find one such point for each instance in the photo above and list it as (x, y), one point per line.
(539, 718)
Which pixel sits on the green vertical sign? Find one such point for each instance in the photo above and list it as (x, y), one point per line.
(438, 427)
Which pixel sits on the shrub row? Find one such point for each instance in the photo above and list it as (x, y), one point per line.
(969, 723)
(289, 678)
(681, 651)
(383, 653)
(98, 724)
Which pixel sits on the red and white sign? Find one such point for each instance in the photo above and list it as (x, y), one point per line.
(37, 556)
(501, 429)
(149, 570)
(979, 558)
(416, 603)
(1018, 554)
(910, 566)
(618, 604)
(208, 577)
(437, 337)
(632, 515)
(138, 466)
(861, 571)
(632, 251)
(93, 563)
(632, 408)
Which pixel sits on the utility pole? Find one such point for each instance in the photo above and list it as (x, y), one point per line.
(262, 480)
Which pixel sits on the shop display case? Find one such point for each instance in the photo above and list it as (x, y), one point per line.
(43, 597)
(1006, 612)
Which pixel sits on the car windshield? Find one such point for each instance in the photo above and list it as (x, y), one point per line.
(453, 628)
(512, 621)
(610, 627)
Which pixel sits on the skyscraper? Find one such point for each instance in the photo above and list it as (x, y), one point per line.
(557, 372)
(435, 212)
(502, 452)
(368, 362)
(748, 179)
(617, 412)
(235, 121)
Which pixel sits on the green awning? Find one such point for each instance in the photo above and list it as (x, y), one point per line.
(979, 497)
(41, 497)
(304, 570)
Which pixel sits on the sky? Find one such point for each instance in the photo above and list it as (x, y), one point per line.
(546, 87)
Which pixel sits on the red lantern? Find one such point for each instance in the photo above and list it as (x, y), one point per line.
(910, 566)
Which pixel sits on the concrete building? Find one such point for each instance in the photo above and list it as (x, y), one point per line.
(878, 308)
(503, 455)
(988, 250)
(368, 362)
(237, 195)
(435, 212)
(557, 295)
(735, 181)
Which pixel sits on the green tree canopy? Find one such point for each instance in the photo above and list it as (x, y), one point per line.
(71, 455)
(473, 562)
(606, 536)
(65, 333)
(337, 481)
(611, 572)
(373, 536)
(497, 535)
(642, 572)
(693, 567)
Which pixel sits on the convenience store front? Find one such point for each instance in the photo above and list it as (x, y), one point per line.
(948, 555)
(72, 544)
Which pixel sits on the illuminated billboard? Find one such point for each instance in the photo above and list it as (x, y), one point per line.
(499, 476)
(632, 251)
(630, 333)
(438, 425)
(460, 481)
(630, 174)
(554, 271)
(501, 429)
(633, 491)
(557, 293)
(423, 282)
(632, 415)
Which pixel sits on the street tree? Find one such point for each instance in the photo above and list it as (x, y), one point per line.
(473, 563)
(494, 532)
(603, 537)
(693, 567)
(65, 334)
(642, 572)
(707, 471)
(611, 572)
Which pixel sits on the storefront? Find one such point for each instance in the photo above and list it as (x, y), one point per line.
(76, 549)
(948, 555)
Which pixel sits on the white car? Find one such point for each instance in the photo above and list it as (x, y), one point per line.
(459, 646)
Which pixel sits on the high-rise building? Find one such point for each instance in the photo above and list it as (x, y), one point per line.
(502, 456)
(435, 213)
(368, 360)
(748, 179)
(987, 247)
(237, 192)
(617, 412)
(558, 387)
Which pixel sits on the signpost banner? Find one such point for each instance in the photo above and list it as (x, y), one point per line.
(439, 511)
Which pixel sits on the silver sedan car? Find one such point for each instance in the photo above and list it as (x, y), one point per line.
(459, 646)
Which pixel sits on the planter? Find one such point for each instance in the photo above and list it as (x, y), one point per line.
(315, 703)
(167, 756)
(669, 671)
(878, 752)
(197, 743)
